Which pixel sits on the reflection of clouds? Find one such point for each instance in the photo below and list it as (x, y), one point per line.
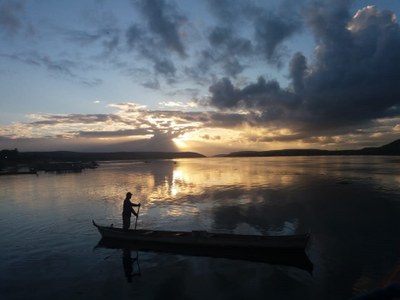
(191, 179)
(287, 228)
(354, 226)
(178, 210)
(210, 172)
(244, 228)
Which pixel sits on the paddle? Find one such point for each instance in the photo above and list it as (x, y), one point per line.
(137, 216)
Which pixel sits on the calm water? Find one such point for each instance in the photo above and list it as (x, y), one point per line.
(350, 204)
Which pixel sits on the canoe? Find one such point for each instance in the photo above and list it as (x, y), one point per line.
(206, 239)
(286, 250)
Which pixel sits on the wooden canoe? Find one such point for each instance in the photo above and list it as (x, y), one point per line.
(286, 250)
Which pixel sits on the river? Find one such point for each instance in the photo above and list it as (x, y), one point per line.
(350, 205)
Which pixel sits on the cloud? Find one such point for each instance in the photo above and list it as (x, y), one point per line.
(152, 84)
(225, 10)
(157, 38)
(227, 49)
(12, 17)
(116, 133)
(132, 127)
(48, 119)
(179, 105)
(231, 46)
(139, 40)
(160, 32)
(351, 81)
(271, 30)
(356, 67)
(164, 20)
(66, 68)
(256, 96)
(129, 120)
(108, 38)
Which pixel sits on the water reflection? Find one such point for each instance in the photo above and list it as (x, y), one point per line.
(128, 263)
(349, 204)
(273, 197)
(284, 257)
(168, 181)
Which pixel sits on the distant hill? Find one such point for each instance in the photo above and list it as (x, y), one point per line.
(101, 156)
(392, 148)
(14, 157)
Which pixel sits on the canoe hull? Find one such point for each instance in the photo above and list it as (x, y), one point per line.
(284, 250)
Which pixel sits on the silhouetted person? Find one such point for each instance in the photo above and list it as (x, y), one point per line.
(127, 211)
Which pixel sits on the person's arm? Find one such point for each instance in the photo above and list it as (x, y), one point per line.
(133, 211)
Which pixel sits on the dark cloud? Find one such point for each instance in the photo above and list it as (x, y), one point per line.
(117, 133)
(297, 72)
(225, 120)
(165, 66)
(63, 67)
(164, 20)
(159, 34)
(260, 95)
(214, 119)
(224, 37)
(66, 68)
(271, 30)
(138, 39)
(357, 64)
(152, 84)
(77, 118)
(134, 36)
(352, 80)
(227, 49)
(91, 82)
(107, 38)
(226, 10)
(224, 94)
(271, 27)
(11, 16)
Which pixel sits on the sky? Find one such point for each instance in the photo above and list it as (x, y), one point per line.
(210, 76)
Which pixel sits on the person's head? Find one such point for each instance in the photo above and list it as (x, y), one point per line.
(128, 195)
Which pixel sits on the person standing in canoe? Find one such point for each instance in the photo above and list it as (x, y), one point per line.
(128, 210)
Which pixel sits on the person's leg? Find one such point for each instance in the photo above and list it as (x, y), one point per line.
(126, 222)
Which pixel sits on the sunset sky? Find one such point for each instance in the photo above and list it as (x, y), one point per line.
(212, 76)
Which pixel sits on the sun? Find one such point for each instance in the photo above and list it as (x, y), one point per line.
(180, 142)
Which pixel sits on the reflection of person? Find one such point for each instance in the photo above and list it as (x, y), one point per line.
(128, 262)
(127, 211)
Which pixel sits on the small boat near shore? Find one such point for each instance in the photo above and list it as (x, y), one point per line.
(284, 250)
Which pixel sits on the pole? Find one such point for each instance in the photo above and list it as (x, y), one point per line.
(137, 216)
